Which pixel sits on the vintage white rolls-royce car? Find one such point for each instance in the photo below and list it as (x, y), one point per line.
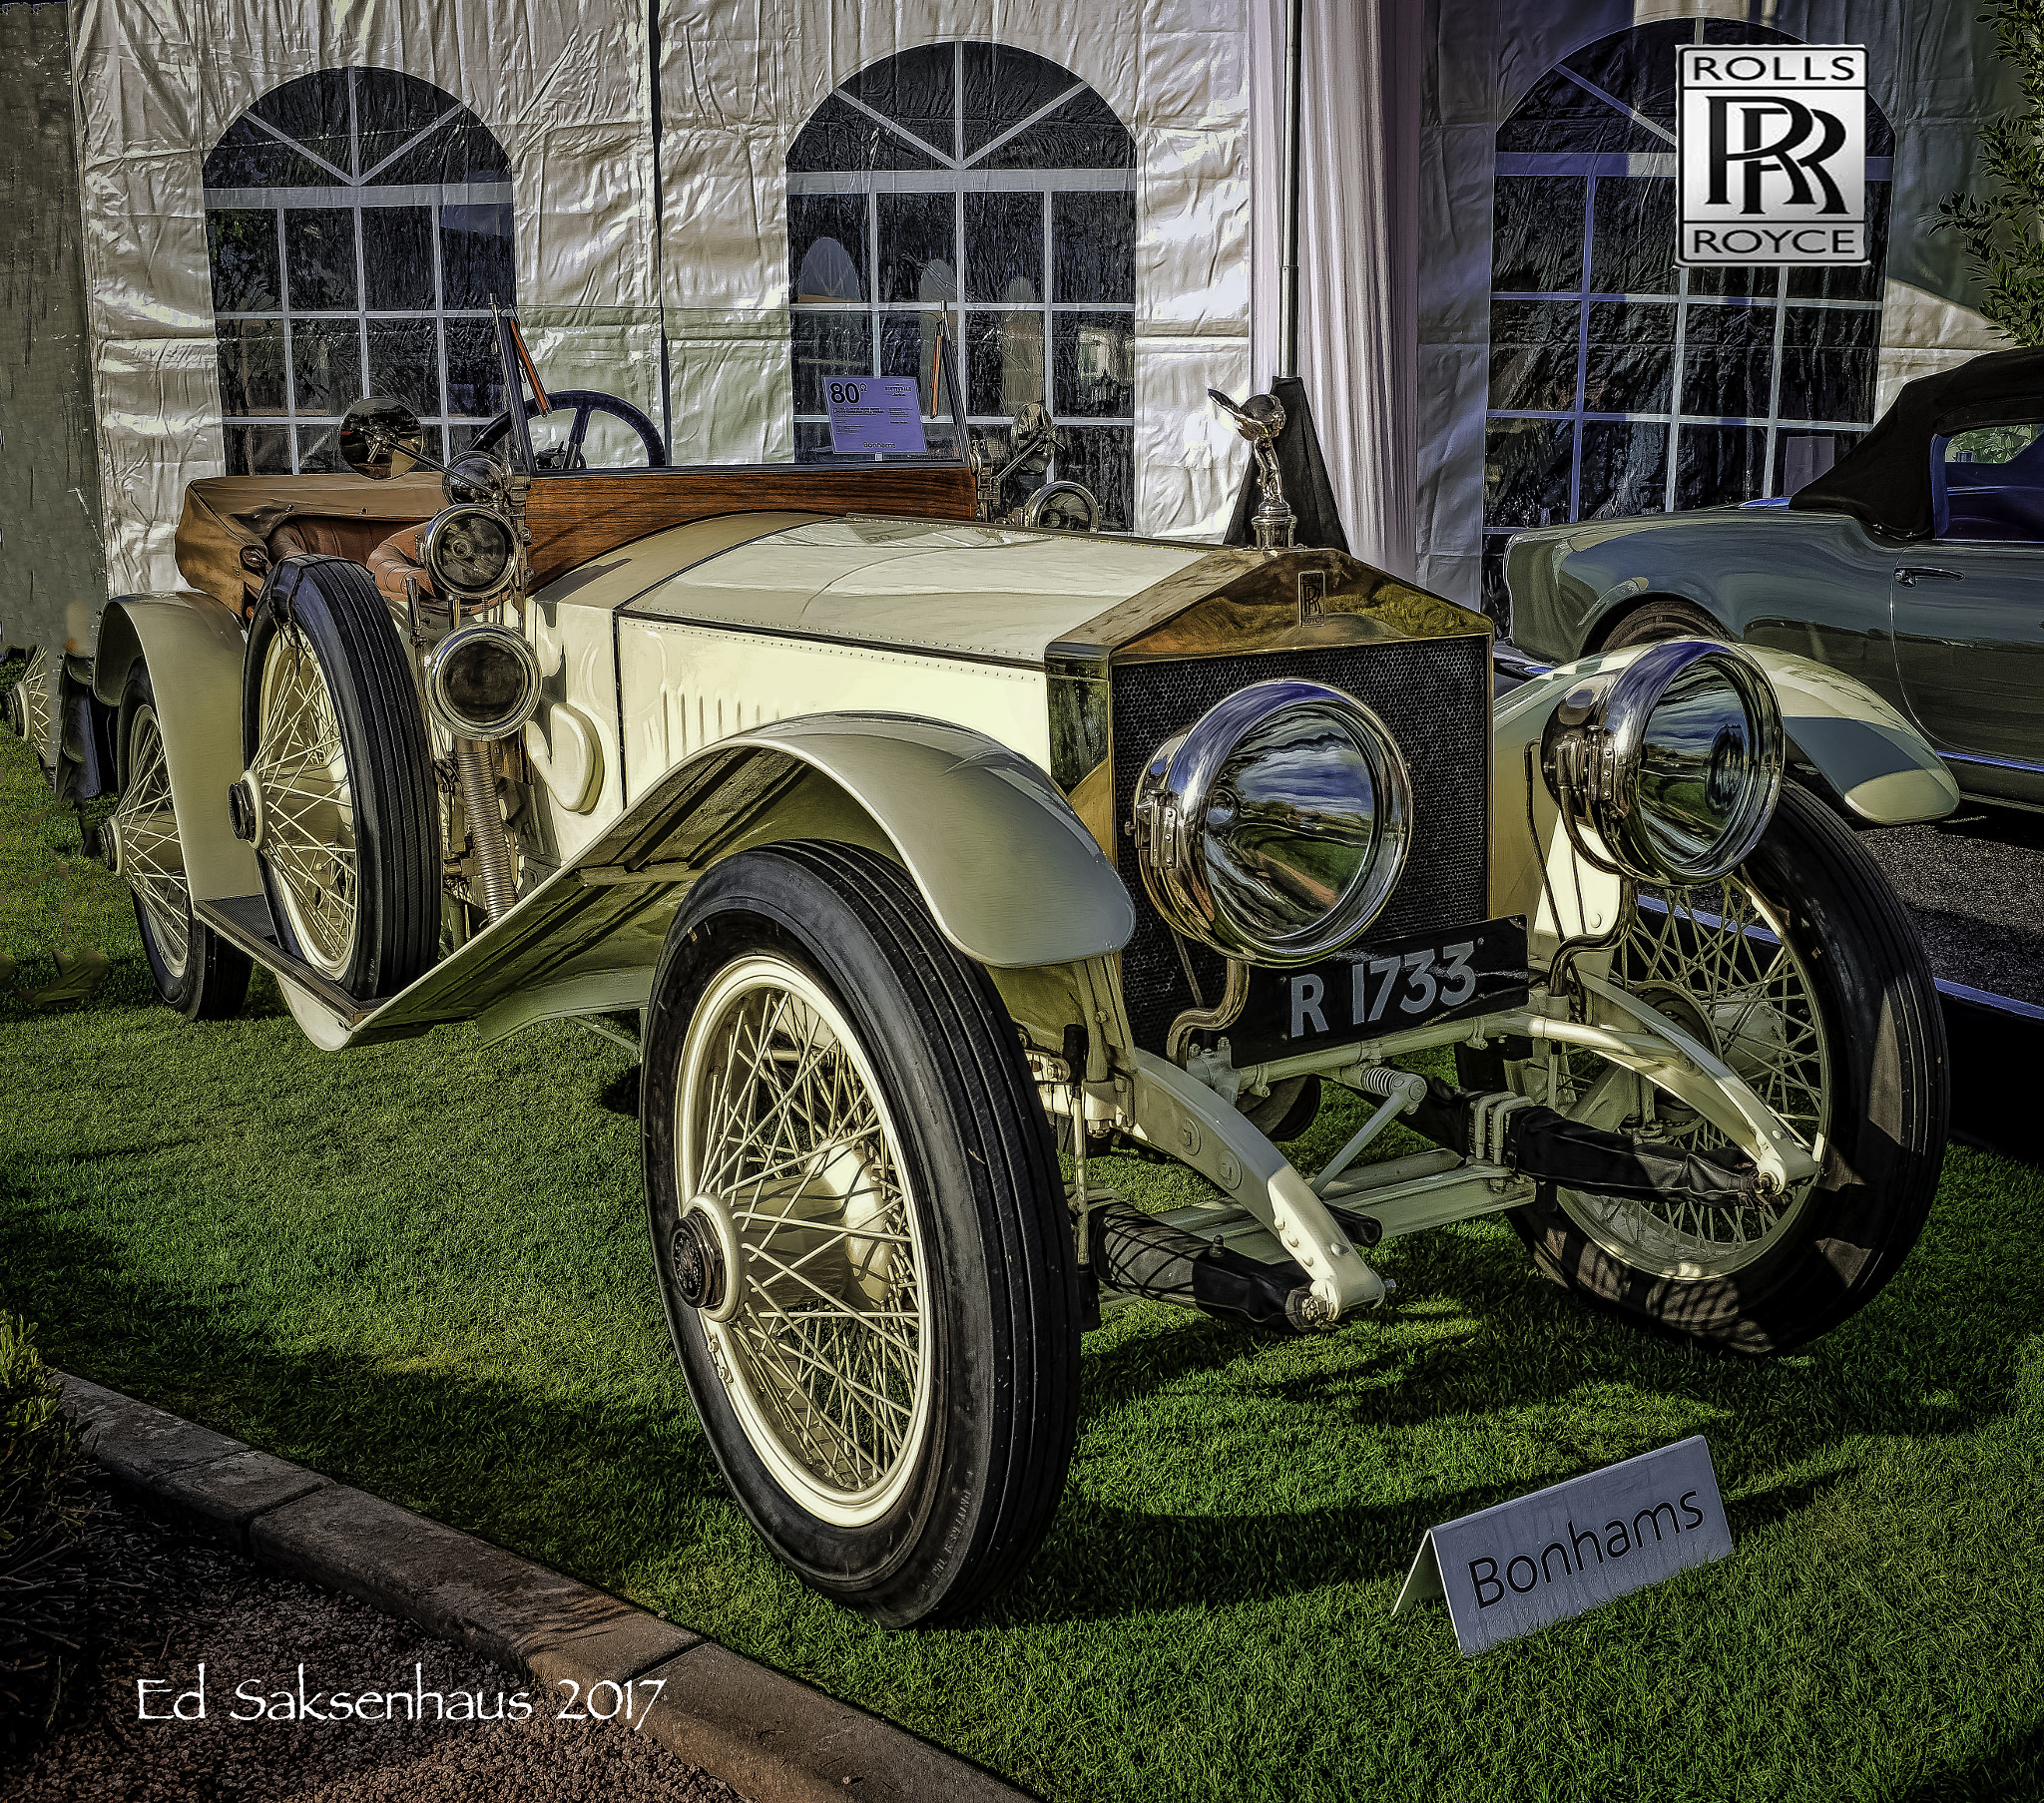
(917, 851)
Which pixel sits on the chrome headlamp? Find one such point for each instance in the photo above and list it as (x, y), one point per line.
(482, 682)
(1275, 827)
(469, 552)
(1674, 762)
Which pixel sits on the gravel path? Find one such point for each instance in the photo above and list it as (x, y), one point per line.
(1975, 882)
(254, 1629)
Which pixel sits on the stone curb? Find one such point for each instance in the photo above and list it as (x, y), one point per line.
(767, 1735)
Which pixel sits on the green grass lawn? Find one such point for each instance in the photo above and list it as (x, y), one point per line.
(422, 1268)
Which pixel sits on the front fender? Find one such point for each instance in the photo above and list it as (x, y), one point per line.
(1879, 764)
(1011, 875)
(193, 650)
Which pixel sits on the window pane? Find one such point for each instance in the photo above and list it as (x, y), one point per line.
(252, 379)
(1537, 235)
(1004, 246)
(259, 450)
(827, 345)
(918, 260)
(1827, 364)
(1632, 351)
(1533, 354)
(917, 89)
(840, 137)
(826, 248)
(1718, 466)
(326, 365)
(405, 362)
(1638, 65)
(1093, 238)
(1004, 362)
(319, 451)
(1625, 469)
(241, 249)
(397, 257)
(1096, 365)
(1561, 115)
(1861, 283)
(462, 150)
(1759, 283)
(314, 111)
(1632, 246)
(1801, 457)
(320, 257)
(1102, 457)
(1082, 134)
(1526, 472)
(909, 347)
(1727, 362)
(475, 384)
(1003, 87)
(248, 157)
(391, 109)
(476, 256)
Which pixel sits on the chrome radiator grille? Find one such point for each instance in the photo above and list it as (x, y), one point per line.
(1432, 694)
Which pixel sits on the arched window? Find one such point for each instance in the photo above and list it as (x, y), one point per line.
(1004, 164)
(359, 224)
(1620, 384)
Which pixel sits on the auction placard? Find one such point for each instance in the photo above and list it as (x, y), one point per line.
(1563, 1551)
(875, 414)
(1772, 154)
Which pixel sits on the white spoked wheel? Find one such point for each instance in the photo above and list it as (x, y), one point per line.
(195, 970)
(304, 800)
(1804, 974)
(859, 1232)
(146, 833)
(1717, 964)
(787, 1157)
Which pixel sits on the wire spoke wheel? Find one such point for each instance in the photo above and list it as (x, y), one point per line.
(859, 1232)
(825, 1351)
(146, 829)
(1715, 962)
(308, 809)
(1804, 974)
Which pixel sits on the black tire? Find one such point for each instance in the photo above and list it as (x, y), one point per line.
(972, 1151)
(1662, 618)
(339, 620)
(208, 980)
(1287, 1111)
(1885, 1145)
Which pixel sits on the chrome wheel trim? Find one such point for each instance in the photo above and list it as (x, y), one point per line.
(151, 857)
(825, 1346)
(1756, 997)
(308, 816)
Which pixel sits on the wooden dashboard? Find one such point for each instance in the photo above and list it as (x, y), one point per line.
(574, 518)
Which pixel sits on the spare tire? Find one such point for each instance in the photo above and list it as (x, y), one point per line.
(338, 795)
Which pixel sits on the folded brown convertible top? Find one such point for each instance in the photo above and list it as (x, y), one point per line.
(223, 513)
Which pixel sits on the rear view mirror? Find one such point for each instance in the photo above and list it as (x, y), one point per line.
(380, 438)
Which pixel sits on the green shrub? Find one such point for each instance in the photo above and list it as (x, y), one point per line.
(43, 1507)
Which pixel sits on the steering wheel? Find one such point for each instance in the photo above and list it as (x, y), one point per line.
(584, 401)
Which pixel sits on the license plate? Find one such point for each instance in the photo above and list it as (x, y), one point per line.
(1374, 989)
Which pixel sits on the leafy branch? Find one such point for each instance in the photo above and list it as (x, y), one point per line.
(2003, 231)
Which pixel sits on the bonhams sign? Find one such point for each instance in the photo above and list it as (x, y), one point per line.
(1773, 152)
(1518, 1566)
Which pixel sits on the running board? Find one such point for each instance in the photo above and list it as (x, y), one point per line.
(246, 923)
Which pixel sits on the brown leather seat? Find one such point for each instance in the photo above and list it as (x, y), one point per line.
(352, 539)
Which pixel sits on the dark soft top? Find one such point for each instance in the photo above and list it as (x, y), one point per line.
(1884, 480)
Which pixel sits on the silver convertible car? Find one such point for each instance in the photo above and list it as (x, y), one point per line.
(1914, 565)
(923, 858)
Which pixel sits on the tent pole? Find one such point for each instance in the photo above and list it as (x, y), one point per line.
(1289, 280)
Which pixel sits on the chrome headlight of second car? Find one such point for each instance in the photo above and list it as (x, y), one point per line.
(1275, 827)
(469, 552)
(1673, 761)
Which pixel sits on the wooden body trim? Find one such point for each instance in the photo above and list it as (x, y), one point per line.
(576, 518)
